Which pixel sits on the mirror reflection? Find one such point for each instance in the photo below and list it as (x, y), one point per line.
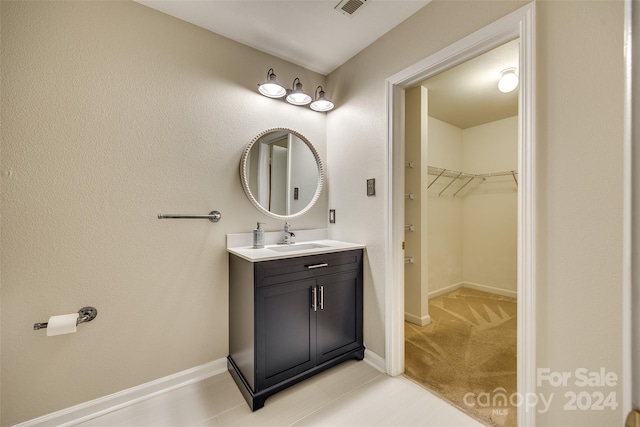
(281, 173)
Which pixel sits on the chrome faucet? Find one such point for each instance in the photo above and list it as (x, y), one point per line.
(288, 234)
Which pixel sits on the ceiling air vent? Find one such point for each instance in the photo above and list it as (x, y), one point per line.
(350, 7)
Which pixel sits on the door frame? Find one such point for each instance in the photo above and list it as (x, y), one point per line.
(518, 24)
(631, 223)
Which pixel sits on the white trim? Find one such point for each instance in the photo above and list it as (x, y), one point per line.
(490, 289)
(476, 286)
(420, 321)
(374, 361)
(519, 23)
(631, 160)
(445, 290)
(527, 227)
(394, 231)
(103, 405)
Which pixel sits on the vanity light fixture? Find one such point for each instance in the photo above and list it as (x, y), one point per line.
(271, 88)
(296, 96)
(509, 80)
(321, 103)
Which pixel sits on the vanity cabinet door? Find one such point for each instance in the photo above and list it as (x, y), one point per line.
(285, 331)
(339, 315)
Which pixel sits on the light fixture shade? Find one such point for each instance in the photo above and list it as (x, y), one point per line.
(297, 96)
(271, 88)
(509, 80)
(321, 103)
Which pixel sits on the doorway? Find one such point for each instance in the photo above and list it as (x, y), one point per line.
(461, 160)
(519, 24)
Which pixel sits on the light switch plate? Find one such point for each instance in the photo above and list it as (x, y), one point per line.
(332, 216)
(371, 187)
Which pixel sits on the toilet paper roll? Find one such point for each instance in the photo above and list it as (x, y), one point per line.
(62, 324)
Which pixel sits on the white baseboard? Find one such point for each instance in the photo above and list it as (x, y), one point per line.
(490, 289)
(375, 361)
(471, 285)
(445, 290)
(103, 405)
(421, 321)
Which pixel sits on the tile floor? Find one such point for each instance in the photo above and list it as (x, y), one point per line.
(350, 394)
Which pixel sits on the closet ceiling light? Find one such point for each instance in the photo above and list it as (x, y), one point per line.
(296, 96)
(321, 103)
(271, 88)
(509, 80)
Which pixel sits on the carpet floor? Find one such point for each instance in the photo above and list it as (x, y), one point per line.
(467, 354)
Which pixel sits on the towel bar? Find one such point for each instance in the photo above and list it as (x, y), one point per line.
(214, 216)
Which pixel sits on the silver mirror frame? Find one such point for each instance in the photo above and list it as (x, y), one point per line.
(245, 181)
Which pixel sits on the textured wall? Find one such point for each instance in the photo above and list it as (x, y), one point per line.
(111, 113)
(357, 132)
(579, 89)
(445, 232)
(415, 182)
(490, 209)
(473, 236)
(580, 143)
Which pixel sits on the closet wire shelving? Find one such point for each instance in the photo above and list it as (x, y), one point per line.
(454, 175)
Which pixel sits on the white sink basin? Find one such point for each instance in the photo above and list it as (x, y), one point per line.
(294, 247)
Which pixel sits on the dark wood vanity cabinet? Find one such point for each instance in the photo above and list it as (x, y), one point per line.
(292, 318)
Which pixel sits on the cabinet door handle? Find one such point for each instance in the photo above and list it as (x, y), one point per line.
(324, 264)
(321, 297)
(314, 293)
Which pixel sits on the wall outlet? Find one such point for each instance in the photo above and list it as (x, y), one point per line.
(371, 187)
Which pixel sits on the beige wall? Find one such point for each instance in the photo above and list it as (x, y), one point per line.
(490, 209)
(444, 213)
(472, 237)
(415, 274)
(356, 132)
(112, 113)
(579, 91)
(580, 133)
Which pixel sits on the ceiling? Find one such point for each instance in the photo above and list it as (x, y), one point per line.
(296, 31)
(310, 33)
(467, 95)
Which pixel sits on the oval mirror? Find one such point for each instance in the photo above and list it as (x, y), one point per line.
(281, 173)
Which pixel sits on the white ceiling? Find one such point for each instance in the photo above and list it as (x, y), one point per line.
(467, 95)
(309, 33)
(315, 35)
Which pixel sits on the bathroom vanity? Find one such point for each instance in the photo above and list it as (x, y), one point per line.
(294, 311)
(295, 297)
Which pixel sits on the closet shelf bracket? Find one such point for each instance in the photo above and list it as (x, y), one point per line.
(464, 185)
(450, 182)
(436, 178)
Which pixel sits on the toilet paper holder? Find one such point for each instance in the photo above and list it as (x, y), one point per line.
(85, 314)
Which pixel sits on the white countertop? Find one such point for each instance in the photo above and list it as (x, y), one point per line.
(237, 245)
